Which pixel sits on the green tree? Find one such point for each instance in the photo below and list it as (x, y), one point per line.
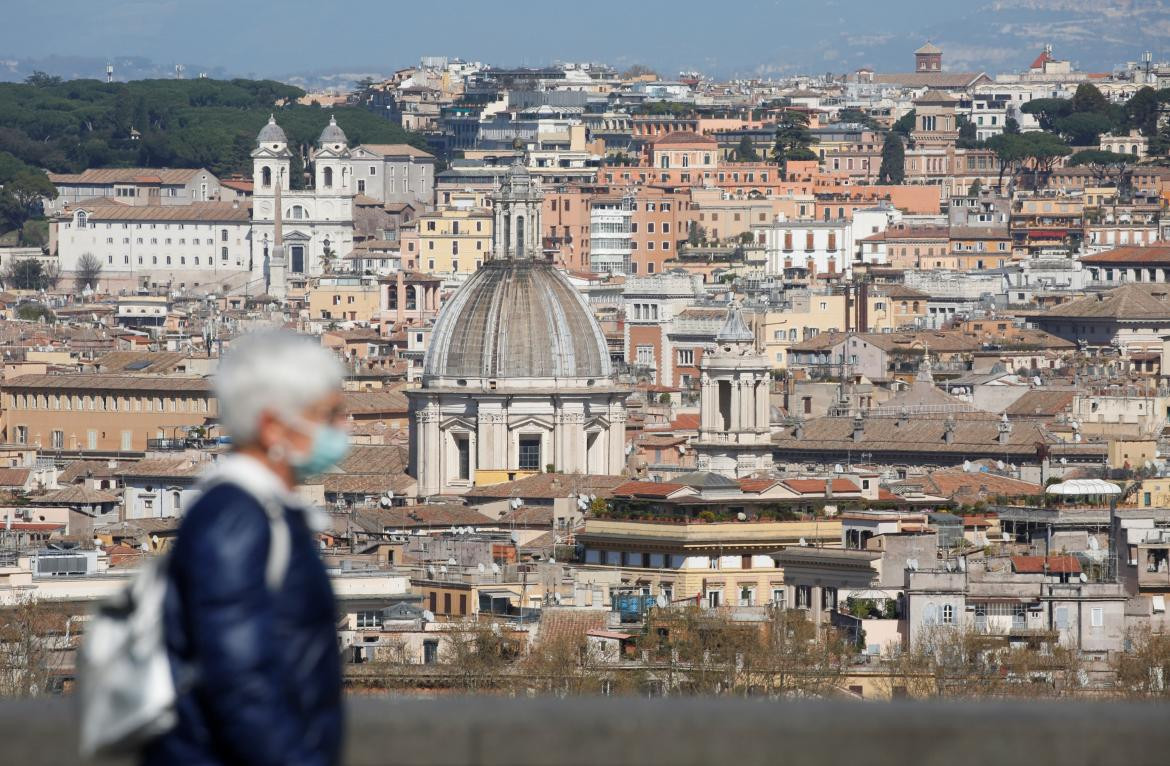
(1141, 112)
(905, 123)
(1106, 166)
(696, 235)
(1011, 126)
(33, 311)
(39, 79)
(1089, 99)
(1043, 150)
(1010, 153)
(968, 134)
(1047, 110)
(27, 274)
(893, 167)
(746, 151)
(793, 139)
(1083, 128)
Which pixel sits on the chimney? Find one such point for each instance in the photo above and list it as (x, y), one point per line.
(1005, 429)
(798, 430)
(903, 416)
(949, 431)
(858, 427)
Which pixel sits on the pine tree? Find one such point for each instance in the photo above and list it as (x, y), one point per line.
(893, 168)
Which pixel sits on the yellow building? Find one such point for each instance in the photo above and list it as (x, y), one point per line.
(344, 298)
(1154, 493)
(106, 413)
(454, 241)
(806, 315)
(718, 563)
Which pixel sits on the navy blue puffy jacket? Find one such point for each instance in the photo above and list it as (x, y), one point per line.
(265, 664)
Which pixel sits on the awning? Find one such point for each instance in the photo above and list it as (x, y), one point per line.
(1083, 487)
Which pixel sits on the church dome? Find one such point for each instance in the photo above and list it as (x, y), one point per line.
(332, 134)
(516, 319)
(271, 133)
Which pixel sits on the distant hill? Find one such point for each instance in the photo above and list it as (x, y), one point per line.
(70, 125)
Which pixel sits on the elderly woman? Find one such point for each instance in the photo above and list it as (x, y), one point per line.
(250, 621)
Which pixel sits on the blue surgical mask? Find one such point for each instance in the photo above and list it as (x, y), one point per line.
(329, 445)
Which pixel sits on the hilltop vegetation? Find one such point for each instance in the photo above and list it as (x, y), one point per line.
(68, 126)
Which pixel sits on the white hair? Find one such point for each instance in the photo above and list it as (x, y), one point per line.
(272, 371)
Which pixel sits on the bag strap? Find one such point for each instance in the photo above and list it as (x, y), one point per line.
(280, 547)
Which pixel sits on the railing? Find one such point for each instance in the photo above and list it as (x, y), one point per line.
(688, 732)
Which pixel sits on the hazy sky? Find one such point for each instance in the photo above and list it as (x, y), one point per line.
(732, 36)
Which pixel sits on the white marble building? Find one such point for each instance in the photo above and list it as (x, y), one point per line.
(316, 220)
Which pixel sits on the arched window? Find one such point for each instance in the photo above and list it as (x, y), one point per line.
(296, 212)
(948, 614)
(930, 614)
(82, 218)
(266, 176)
(327, 175)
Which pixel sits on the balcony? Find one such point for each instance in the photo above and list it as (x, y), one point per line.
(621, 731)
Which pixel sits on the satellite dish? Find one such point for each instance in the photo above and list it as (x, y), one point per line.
(962, 565)
(557, 598)
(452, 562)
(431, 572)
(443, 569)
(741, 516)
(803, 543)
(495, 568)
(552, 560)
(967, 466)
(482, 568)
(513, 538)
(1093, 544)
(1084, 577)
(428, 615)
(516, 503)
(144, 547)
(385, 502)
(999, 464)
(661, 601)
(838, 468)
(154, 539)
(1064, 461)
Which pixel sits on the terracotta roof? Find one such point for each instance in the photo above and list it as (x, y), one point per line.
(397, 150)
(549, 486)
(1055, 564)
(198, 212)
(756, 485)
(139, 362)
(976, 485)
(102, 176)
(685, 421)
(14, 477)
(76, 495)
(684, 137)
(648, 489)
(410, 516)
(1041, 403)
(162, 468)
(529, 515)
(929, 79)
(569, 623)
(975, 435)
(367, 402)
(1159, 255)
(99, 382)
(1128, 302)
(817, 486)
(80, 469)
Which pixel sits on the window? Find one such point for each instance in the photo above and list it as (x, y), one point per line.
(57, 439)
(1097, 617)
(529, 453)
(369, 619)
(327, 177)
(463, 448)
(22, 434)
(948, 614)
(686, 356)
(361, 185)
(1061, 617)
(747, 596)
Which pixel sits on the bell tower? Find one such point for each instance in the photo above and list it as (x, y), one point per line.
(516, 234)
(735, 437)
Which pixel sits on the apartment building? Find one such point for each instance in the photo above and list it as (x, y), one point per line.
(105, 413)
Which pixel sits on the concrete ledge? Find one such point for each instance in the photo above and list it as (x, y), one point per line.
(692, 732)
